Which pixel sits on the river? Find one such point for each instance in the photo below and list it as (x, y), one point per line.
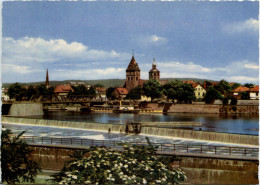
(248, 125)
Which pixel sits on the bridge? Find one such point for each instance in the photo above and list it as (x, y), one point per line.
(52, 99)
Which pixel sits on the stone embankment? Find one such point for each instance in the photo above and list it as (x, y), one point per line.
(243, 107)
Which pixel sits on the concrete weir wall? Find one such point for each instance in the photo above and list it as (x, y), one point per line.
(199, 170)
(187, 134)
(202, 135)
(26, 109)
(70, 124)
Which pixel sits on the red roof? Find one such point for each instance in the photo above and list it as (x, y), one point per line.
(241, 89)
(122, 91)
(254, 89)
(65, 88)
(101, 89)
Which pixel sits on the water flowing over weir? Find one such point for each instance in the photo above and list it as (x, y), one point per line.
(177, 133)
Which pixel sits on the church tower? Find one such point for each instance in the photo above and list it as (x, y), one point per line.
(154, 73)
(132, 75)
(47, 83)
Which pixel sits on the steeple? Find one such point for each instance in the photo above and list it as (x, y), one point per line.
(154, 73)
(47, 83)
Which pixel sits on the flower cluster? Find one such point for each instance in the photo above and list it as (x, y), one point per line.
(134, 165)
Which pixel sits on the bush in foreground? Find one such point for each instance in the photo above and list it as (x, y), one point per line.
(134, 165)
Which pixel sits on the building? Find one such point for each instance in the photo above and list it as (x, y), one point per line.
(132, 75)
(253, 93)
(154, 73)
(63, 89)
(199, 90)
(120, 93)
(101, 93)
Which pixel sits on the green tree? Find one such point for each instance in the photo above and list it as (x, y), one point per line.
(134, 94)
(249, 85)
(152, 88)
(133, 165)
(233, 101)
(15, 159)
(91, 91)
(245, 96)
(223, 87)
(109, 93)
(235, 85)
(79, 90)
(16, 91)
(187, 95)
(43, 90)
(212, 95)
(99, 85)
(172, 90)
(31, 91)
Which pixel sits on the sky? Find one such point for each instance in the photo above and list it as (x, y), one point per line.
(96, 40)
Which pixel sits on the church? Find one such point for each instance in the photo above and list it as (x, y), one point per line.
(133, 72)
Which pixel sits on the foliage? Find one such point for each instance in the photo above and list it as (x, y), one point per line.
(109, 93)
(134, 165)
(233, 101)
(79, 90)
(152, 88)
(245, 96)
(223, 87)
(212, 95)
(249, 85)
(134, 94)
(181, 91)
(235, 85)
(225, 101)
(43, 90)
(91, 91)
(99, 85)
(16, 163)
(16, 91)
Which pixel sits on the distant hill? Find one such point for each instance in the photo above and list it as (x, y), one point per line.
(106, 83)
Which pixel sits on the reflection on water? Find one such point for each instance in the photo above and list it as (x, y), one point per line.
(210, 122)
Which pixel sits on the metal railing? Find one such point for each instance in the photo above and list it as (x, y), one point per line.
(165, 147)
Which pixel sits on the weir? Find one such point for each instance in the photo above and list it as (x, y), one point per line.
(177, 133)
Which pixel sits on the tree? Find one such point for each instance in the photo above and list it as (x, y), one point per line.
(43, 90)
(172, 90)
(152, 88)
(223, 87)
(79, 90)
(181, 91)
(109, 93)
(99, 85)
(211, 95)
(16, 163)
(133, 165)
(245, 96)
(134, 94)
(233, 101)
(187, 95)
(16, 91)
(249, 85)
(91, 91)
(235, 85)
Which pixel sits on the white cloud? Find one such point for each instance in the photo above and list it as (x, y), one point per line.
(251, 25)
(239, 71)
(30, 50)
(90, 74)
(151, 40)
(7, 68)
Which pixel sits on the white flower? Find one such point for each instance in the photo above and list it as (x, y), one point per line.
(120, 164)
(125, 165)
(144, 181)
(121, 173)
(74, 177)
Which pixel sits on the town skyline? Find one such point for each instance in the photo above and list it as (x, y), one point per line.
(94, 40)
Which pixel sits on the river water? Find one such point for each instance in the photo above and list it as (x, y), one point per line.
(248, 125)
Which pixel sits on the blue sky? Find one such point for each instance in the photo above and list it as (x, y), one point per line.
(94, 40)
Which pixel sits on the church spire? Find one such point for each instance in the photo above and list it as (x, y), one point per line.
(47, 83)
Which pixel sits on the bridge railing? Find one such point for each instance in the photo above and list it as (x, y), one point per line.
(166, 147)
(64, 98)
